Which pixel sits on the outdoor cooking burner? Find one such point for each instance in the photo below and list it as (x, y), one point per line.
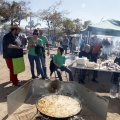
(93, 105)
(57, 106)
(43, 117)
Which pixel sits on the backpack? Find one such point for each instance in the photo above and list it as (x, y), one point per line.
(40, 51)
(52, 66)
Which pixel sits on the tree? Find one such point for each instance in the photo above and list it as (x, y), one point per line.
(45, 14)
(5, 27)
(86, 24)
(78, 25)
(13, 12)
(68, 26)
(56, 20)
(51, 16)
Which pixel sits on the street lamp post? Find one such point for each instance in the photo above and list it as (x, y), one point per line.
(30, 22)
(48, 28)
(49, 24)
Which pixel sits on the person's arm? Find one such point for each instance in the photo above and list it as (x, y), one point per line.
(30, 44)
(41, 43)
(7, 40)
(92, 57)
(56, 65)
(14, 46)
(47, 45)
(64, 61)
(80, 54)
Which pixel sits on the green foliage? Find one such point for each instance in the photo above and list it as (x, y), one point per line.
(68, 26)
(56, 20)
(86, 24)
(6, 27)
(13, 11)
(78, 25)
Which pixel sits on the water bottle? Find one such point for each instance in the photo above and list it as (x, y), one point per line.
(119, 91)
(113, 91)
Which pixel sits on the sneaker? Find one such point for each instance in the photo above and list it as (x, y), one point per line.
(94, 80)
(43, 77)
(34, 77)
(46, 77)
(17, 85)
(81, 82)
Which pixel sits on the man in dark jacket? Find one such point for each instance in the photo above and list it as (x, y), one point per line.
(12, 49)
(65, 44)
(88, 54)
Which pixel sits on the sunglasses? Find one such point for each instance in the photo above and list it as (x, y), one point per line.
(35, 33)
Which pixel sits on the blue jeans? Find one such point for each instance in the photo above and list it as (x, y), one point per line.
(65, 48)
(73, 47)
(38, 65)
(70, 46)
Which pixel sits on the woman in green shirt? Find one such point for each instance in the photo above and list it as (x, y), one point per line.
(32, 56)
(59, 61)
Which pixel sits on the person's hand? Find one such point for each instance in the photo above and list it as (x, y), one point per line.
(33, 44)
(30, 44)
(64, 65)
(18, 47)
(62, 68)
(48, 53)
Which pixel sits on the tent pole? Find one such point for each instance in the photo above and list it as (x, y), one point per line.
(88, 37)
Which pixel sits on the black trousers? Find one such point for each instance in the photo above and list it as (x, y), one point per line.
(115, 78)
(66, 69)
(83, 74)
(94, 58)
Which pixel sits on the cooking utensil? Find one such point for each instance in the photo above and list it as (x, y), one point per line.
(58, 106)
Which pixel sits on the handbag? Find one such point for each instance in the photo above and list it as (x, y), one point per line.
(18, 65)
(40, 51)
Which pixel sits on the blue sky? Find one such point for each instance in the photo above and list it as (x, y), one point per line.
(93, 10)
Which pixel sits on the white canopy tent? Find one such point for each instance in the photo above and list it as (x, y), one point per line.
(109, 27)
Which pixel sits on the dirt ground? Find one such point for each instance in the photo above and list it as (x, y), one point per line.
(102, 88)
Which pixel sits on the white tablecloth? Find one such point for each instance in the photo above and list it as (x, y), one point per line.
(78, 66)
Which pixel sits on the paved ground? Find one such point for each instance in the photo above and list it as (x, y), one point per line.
(102, 88)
